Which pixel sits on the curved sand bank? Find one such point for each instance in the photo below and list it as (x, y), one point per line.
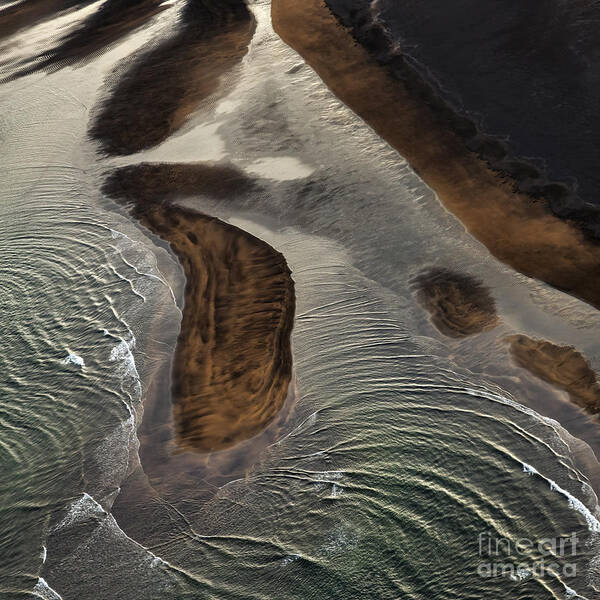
(181, 73)
(233, 361)
(459, 305)
(516, 229)
(561, 366)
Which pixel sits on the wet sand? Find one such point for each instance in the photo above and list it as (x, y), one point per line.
(517, 229)
(233, 361)
(30, 12)
(459, 305)
(560, 366)
(109, 24)
(181, 73)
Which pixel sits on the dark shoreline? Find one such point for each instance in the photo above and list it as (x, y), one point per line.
(518, 230)
(527, 176)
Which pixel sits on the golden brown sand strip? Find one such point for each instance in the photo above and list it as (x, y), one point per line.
(154, 97)
(517, 230)
(458, 303)
(560, 366)
(233, 362)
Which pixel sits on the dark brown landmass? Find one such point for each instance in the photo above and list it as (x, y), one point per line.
(518, 230)
(458, 303)
(233, 361)
(561, 366)
(517, 81)
(161, 182)
(153, 97)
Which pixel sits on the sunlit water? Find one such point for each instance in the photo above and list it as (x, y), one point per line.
(404, 446)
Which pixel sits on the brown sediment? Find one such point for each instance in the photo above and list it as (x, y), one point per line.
(233, 361)
(561, 366)
(156, 182)
(110, 23)
(517, 230)
(458, 303)
(154, 97)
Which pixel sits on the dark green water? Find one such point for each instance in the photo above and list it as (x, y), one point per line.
(406, 450)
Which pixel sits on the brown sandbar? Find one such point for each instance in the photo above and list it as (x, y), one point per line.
(233, 361)
(561, 366)
(458, 303)
(516, 229)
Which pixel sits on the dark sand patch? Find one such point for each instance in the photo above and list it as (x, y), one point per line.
(31, 12)
(154, 97)
(458, 303)
(475, 62)
(561, 366)
(233, 362)
(110, 23)
(159, 182)
(517, 230)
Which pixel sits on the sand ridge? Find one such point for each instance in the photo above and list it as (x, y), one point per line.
(233, 361)
(561, 366)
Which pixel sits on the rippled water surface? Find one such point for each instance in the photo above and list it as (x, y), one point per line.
(403, 445)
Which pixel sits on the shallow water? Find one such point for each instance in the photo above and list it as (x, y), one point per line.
(403, 445)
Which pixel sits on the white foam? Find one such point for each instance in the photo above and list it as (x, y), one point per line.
(574, 503)
(521, 574)
(43, 590)
(74, 359)
(127, 369)
(156, 561)
(289, 559)
(570, 593)
(328, 476)
(336, 490)
(80, 509)
(145, 264)
(339, 540)
(122, 352)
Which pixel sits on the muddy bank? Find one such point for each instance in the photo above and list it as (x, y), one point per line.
(458, 304)
(518, 230)
(233, 361)
(561, 366)
(153, 97)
